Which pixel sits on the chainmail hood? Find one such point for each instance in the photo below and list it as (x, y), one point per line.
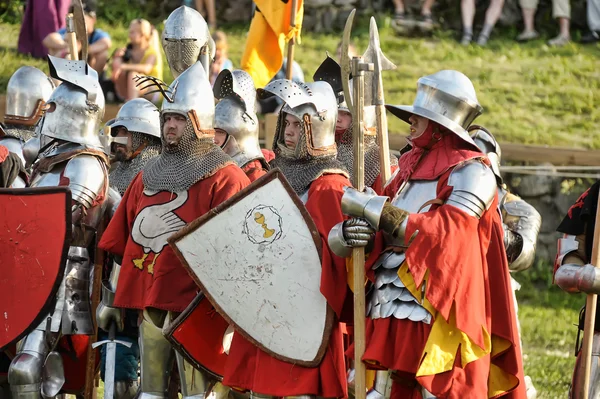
(298, 166)
(123, 174)
(178, 168)
(19, 131)
(345, 154)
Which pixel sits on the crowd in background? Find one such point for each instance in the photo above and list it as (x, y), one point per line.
(43, 32)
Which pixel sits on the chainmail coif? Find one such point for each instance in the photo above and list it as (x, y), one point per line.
(178, 168)
(124, 172)
(298, 166)
(20, 131)
(346, 156)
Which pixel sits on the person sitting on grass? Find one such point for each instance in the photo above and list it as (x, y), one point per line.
(98, 40)
(142, 56)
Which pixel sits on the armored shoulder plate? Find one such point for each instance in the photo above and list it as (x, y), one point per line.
(474, 187)
(524, 220)
(87, 178)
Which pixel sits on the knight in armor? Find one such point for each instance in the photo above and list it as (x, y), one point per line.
(186, 39)
(26, 95)
(236, 122)
(521, 222)
(437, 314)
(72, 155)
(305, 151)
(573, 273)
(331, 72)
(191, 176)
(136, 131)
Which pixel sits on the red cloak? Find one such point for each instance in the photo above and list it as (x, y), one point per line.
(468, 286)
(249, 368)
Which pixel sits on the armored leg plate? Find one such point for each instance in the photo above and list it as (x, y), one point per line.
(25, 371)
(77, 317)
(193, 383)
(156, 356)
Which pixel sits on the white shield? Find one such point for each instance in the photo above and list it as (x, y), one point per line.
(257, 258)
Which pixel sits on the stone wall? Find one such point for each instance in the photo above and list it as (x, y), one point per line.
(546, 194)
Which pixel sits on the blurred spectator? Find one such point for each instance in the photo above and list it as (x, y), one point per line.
(593, 19)
(142, 56)
(98, 40)
(561, 10)
(221, 61)
(492, 14)
(41, 18)
(207, 9)
(528, 8)
(401, 20)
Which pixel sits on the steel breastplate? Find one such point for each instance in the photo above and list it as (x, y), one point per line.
(389, 297)
(411, 197)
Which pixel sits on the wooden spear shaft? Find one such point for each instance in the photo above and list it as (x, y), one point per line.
(292, 43)
(358, 254)
(590, 313)
(71, 37)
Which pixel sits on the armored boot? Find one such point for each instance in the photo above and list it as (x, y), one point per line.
(33, 371)
(156, 356)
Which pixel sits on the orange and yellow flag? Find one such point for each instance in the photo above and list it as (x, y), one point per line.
(270, 29)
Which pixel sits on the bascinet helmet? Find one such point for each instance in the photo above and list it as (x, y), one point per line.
(315, 105)
(76, 107)
(26, 94)
(235, 116)
(185, 38)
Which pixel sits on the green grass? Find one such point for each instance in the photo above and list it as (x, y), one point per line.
(531, 94)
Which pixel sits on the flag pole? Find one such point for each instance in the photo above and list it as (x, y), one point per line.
(292, 42)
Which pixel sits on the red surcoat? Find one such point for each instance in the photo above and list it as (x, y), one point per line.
(151, 275)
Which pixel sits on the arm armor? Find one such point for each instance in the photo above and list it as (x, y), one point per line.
(474, 188)
(523, 222)
(113, 199)
(87, 178)
(572, 274)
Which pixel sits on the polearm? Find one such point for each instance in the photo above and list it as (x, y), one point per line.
(356, 107)
(381, 63)
(291, 43)
(71, 37)
(590, 313)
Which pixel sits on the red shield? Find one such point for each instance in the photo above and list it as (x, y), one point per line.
(198, 335)
(35, 232)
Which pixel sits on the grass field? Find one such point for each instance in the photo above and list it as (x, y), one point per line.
(532, 94)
